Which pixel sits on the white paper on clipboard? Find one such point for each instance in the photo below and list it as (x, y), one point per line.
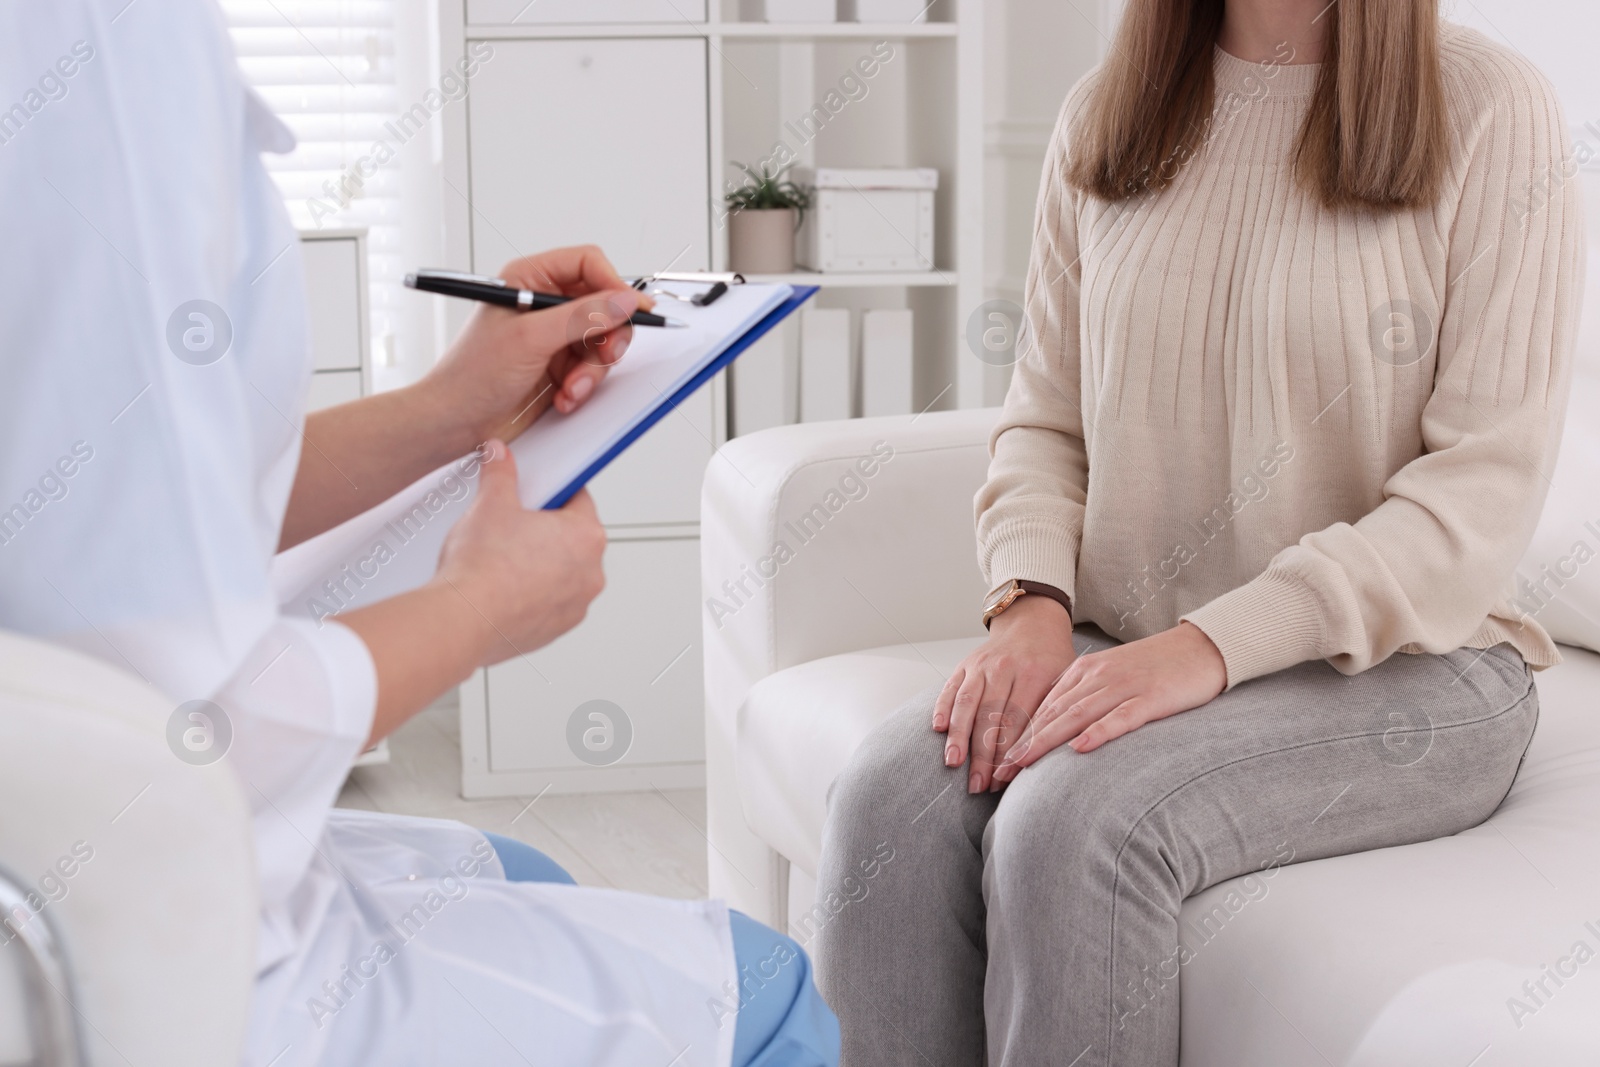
(394, 547)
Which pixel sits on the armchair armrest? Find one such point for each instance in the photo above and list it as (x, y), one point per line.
(820, 539)
(138, 866)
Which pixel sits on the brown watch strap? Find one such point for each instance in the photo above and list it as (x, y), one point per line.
(1040, 589)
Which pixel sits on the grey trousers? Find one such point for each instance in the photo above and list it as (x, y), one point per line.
(1040, 925)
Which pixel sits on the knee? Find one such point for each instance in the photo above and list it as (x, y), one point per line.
(877, 786)
(857, 799)
(1020, 835)
(1050, 827)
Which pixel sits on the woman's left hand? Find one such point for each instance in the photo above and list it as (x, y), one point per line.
(508, 367)
(1106, 694)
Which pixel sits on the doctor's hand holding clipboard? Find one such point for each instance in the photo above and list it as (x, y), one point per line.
(510, 580)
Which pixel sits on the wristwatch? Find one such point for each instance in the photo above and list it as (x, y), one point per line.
(1003, 596)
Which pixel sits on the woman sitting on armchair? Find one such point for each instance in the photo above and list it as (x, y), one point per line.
(1301, 310)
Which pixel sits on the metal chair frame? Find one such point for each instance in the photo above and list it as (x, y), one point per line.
(53, 1024)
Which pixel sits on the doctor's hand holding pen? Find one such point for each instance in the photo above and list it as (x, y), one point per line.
(510, 580)
(497, 372)
(505, 370)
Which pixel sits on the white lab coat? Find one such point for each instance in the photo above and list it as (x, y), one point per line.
(141, 497)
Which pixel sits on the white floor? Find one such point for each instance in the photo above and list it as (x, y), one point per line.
(646, 842)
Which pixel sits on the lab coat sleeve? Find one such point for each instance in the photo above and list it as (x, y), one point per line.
(299, 710)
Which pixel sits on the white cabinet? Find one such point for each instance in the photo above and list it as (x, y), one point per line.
(335, 277)
(614, 122)
(616, 125)
(578, 140)
(636, 659)
(557, 12)
(335, 263)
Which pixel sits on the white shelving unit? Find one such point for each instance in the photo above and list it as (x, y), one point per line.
(907, 280)
(716, 30)
(621, 134)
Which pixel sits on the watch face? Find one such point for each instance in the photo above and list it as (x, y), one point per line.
(997, 596)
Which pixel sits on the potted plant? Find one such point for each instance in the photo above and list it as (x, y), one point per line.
(764, 214)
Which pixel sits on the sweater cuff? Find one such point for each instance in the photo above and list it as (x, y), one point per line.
(1033, 552)
(1263, 626)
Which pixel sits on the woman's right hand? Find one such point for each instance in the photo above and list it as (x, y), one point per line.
(987, 702)
(528, 575)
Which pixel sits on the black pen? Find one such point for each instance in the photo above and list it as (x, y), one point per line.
(496, 291)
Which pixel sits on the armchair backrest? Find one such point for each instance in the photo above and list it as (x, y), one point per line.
(141, 865)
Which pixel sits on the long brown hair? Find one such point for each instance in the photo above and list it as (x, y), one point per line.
(1374, 134)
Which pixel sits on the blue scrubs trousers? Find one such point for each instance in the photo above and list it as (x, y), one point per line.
(787, 1025)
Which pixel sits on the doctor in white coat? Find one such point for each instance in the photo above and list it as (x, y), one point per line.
(151, 464)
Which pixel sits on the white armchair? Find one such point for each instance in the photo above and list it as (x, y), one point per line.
(894, 566)
(128, 876)
(817, 629)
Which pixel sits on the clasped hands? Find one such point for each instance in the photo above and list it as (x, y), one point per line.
(1025, 691)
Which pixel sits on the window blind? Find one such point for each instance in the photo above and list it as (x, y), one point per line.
(327, 68)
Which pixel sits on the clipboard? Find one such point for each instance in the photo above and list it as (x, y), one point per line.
(394, 547)
(798, 296)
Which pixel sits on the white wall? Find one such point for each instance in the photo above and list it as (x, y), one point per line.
(1036, 50)
(1557, 35)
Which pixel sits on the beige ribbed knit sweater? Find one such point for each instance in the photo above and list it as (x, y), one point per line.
(1313, 434)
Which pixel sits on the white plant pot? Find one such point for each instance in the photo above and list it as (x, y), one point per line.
(761, 241)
